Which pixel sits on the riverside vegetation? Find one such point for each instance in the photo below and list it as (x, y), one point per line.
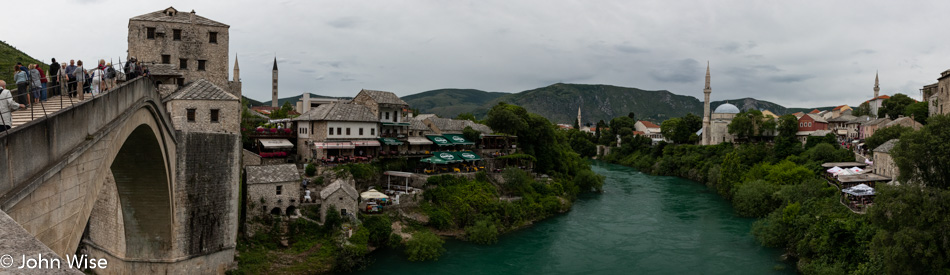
(477, 209)
(776, 180)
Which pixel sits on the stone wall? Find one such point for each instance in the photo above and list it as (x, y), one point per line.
(206, 197)
(340, 200)
(884, 165)
(229, 115)
(262, 197)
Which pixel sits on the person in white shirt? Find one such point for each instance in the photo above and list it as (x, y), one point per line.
(7, 106)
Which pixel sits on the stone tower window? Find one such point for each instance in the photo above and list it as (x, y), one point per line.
(166, 59)
(176, 35)
(191, 115)
(183, 63)
(214, 115)
(279, 187)
(150, 33)
(213, 37)
(181, 81)
(201, 65)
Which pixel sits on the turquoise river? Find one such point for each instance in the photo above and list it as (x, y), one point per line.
(641, 224)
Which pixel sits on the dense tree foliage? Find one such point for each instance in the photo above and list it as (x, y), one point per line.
(919, 111)
(283, 111)
(424, 246)
(751, 123)
(682, 130)
(862, 110)
(895, 106)
(471, 134)
(924, 156)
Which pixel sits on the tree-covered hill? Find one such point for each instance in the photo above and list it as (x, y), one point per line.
(9, 56)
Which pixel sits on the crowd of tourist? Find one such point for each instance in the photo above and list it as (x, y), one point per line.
(35, 85)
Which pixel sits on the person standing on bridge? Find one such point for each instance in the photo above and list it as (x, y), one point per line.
(98, 78)
(111, 75)
(71, 85)
(63, 80)
(7, 106)
(79, 74)
(35, 81)
(22, 79)
(43, 82)
(54, 78)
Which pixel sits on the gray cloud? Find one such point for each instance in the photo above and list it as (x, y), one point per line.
(494, 45)
(683, 71)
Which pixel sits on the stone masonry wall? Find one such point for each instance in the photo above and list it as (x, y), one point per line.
(207, 194)
(194, 45)
(229, 115)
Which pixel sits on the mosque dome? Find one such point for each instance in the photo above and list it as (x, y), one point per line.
(726, 108)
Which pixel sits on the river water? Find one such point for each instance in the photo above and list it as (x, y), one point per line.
(641, 224)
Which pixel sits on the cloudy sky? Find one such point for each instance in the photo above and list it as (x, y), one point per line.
(795, 53)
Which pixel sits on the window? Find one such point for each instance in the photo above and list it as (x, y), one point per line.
(201, 65)
(176, 35)
(191, 115)
(183, 63)
(339, 131)
(387, 115)
(331, 131)
(361, 131)
(214, 115)
(150, 33)
(279, 187)
(213, 37)
(181, 81)
(347, 131)
(372, 131)
(166, 59)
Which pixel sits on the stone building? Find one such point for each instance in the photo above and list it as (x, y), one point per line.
(904, 121)
(937, 95)
(883, 162)
(854, 126)
(389, 108)
(195, 46)
(202, 106)
(719, 123)
(868, 128)
(335, 130)
(705, 138)
(839, 125)
(648, 129)
(340, 194)
(273, 189)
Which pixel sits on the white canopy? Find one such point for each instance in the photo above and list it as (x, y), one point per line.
(859, 190)
(856, 170)
(834, 169)
(373, 194)
(276, 143)
(845, 172)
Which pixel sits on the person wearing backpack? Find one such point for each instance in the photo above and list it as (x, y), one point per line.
(22, 79)
(110, 76)
(79, 74)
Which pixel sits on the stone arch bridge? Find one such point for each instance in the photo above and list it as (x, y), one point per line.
(111, 178)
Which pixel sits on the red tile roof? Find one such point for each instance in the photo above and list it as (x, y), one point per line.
(649, 124)
(638, 133)
(815, 111)
(839, 107)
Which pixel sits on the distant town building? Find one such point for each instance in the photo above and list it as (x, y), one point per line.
(337, 130)
(839, 125)
(340, 194)
(307, 102)
(854, 126)
(904, 121)
(874, 104)
(840, 110)
(868, 128)
(202, 106)
(648, 129)
(883, 162)
(769, 114)
(273, 189)
(389, 108)
(937, 95)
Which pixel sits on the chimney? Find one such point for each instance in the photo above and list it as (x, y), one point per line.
(192, 16)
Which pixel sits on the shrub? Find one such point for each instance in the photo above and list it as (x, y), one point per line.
(424, 246)
(483, 232)
(310, 170)
(755, 198)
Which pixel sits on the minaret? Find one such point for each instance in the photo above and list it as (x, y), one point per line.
(877, 87)
(273, 96)
(706, 91)
(579, 125)
(236, 81)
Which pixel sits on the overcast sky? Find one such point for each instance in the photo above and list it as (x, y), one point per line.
(794, 53)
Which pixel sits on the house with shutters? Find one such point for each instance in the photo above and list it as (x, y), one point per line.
(337, 130)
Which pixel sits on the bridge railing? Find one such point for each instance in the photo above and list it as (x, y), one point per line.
(47, 142)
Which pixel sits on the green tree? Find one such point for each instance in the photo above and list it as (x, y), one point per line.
(483, 232)
(912, 229)
(862, 110)
(883, 135)
(786, 143)
(632, 116)
(581, 143)
(506, 119)
(755, 198)
(380, 229)
(730, 174)
(918, 111)
(424, 246)
(894, 107)
(283, 112)
(587, 180)
(467, 116)
(622, 126)
(924, 156)
(471, 134)
(310, 170)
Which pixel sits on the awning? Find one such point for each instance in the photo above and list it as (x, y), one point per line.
(276, 143)
(373, 194)
(458, 139)
(334, 145)
(468, 156)
(440, 140)
(395, 123)
(390, 141)
(419, 141)
(859, 190)
(364, 143)
(442, 158)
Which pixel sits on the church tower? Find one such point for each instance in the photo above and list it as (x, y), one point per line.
(706, 92)
(877, 87)
(273, 102)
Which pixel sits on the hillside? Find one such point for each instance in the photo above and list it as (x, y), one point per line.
(9, 56)
(451, 102)
(559, 102)
(293, 100)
